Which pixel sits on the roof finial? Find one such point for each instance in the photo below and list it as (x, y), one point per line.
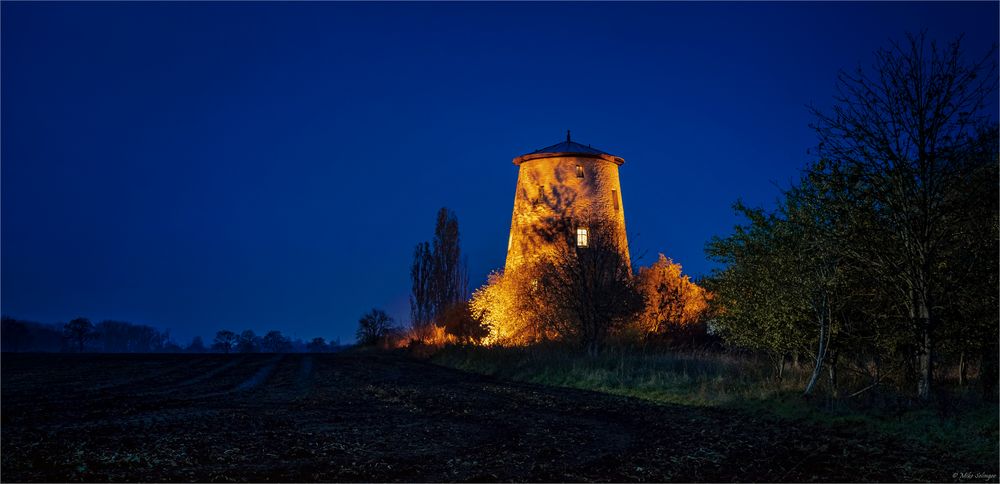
(567, 136)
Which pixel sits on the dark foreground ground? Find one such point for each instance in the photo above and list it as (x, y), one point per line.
(384, 417)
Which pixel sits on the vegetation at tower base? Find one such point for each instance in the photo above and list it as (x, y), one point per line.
(673, 303)
(882, 260)
(585, 295)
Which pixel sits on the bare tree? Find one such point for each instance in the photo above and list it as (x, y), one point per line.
(449, 280)
(79, 331)
(225, 341)
(898, 141)
(374, 327)
(588, 288)
(422, 289)
(439, 275)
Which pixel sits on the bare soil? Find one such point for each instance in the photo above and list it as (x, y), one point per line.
(386, 417)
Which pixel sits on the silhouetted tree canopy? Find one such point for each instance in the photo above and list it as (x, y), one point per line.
(125, 337)
(439, 277)
(197, 345)
(248, 342)
(16, 334)
(78, 332)
(225, 341)
(374, 327)
(317, 345)
(275, 342)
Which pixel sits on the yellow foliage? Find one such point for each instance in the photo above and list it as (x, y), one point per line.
(430, 335)
(505, 306)
(672, 300)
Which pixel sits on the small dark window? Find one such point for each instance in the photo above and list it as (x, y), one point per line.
(579, 171)
(614, 197)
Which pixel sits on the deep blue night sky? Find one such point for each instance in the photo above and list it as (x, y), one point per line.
(197, 167)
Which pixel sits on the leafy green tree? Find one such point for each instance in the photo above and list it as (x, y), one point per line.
(969, 318)
(757, 301)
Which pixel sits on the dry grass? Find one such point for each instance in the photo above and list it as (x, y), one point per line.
(958, 419)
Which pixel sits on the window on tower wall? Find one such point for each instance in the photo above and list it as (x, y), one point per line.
(614, 198)
(581, 237)
(579, 171)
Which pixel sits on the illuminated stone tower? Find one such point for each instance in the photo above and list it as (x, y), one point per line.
(567, 181)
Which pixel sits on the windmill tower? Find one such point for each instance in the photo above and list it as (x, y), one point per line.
(568, 181)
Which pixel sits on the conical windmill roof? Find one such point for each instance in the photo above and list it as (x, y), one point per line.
(568, 148)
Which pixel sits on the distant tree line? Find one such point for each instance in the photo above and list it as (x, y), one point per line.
(882, 259)
(273, 341)
(81, 335)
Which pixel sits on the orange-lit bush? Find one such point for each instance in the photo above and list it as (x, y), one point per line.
(504, 307)
(429, 335)
(672, 300)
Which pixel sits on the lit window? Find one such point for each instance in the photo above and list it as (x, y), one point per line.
(581, 237)
(614, 197)
(579, 171)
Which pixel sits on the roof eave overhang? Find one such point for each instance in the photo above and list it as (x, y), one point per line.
(600, 156)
